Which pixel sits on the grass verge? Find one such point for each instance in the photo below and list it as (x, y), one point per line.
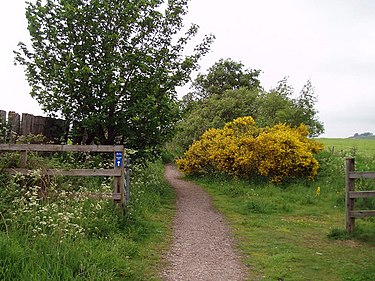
(111, 246)
(294, 232)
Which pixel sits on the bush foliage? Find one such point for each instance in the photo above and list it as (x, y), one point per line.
(279, 153)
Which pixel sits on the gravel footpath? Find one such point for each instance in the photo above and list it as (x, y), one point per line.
(202, 247)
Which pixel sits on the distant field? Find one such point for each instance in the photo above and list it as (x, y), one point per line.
(364, 147)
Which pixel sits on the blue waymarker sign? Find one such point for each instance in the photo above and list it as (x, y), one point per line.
(118, 161)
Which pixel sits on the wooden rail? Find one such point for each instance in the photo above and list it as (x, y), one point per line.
(61, 147)
(117, 172)
(352, 195)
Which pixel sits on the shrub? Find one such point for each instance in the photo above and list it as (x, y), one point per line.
(242, 149)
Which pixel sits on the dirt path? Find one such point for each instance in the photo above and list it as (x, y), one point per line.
(202, 248)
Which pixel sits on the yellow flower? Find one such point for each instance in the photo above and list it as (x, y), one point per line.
(317, 192)
(242, 149)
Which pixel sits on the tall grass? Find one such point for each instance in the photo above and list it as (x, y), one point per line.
(55, 237)
(296, 231)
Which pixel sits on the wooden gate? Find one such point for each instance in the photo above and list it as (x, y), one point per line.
(352, 195)
(118, 171)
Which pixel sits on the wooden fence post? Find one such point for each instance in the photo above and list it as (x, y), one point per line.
(14, 125)
(118, 181)
(38, 125)
(349, 186)
(127, 181)
(23, 159)
(27, 123)
(3, 118)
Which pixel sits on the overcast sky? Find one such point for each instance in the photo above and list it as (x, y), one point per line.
(330, 42)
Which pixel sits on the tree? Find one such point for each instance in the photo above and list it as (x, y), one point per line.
(110, 66)
(225, 75)
(214, 112)
(274, 107)
(306, 112)
(268, 108)
(363, 135)
(279, 106)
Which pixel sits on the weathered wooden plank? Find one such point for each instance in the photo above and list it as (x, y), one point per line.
(3, 118)
(361, 194)
(362, 213)
(362, 175)
(61, 148)
(14, 121)
(38, 125)
(27, 123)
(73, 172)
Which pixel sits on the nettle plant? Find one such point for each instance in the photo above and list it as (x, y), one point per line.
(280, 153)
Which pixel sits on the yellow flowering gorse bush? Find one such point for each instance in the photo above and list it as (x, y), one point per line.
(242, 149)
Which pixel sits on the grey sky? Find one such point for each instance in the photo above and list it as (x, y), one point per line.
(331, 42)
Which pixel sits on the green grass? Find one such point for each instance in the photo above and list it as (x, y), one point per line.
(290, 233)
(350, 146)
(283, 232)
(114, 247)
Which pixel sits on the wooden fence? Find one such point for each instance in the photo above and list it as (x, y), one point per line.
(53, 129)
(120, 172)
(352, 195)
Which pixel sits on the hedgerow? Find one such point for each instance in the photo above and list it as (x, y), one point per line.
(242, 149)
